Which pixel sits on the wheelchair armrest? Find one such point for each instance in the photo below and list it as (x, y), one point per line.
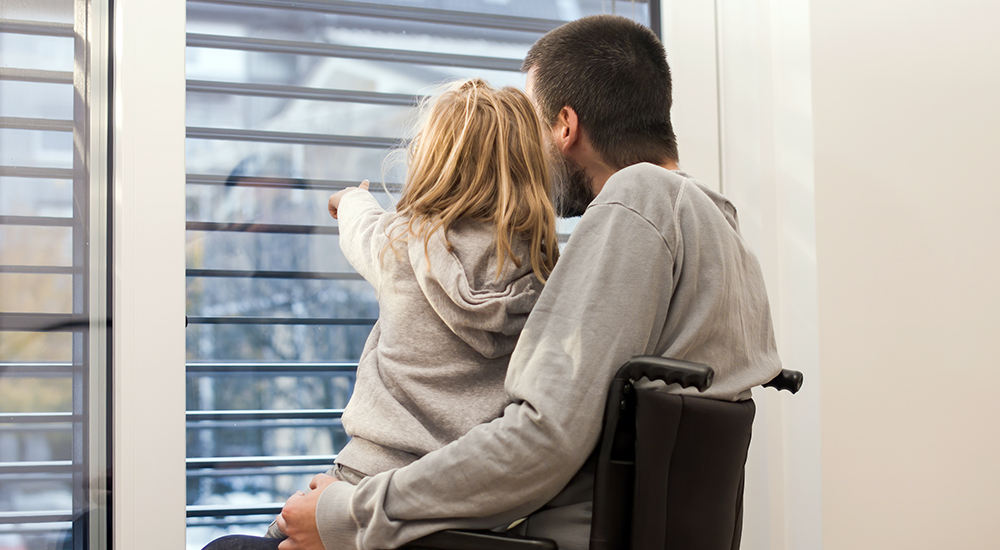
(789, 380)
(455, 539)
(671, 371)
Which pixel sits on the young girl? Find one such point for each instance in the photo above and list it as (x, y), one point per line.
(457, 268)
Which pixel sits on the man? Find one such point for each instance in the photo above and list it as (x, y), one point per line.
(656, 266)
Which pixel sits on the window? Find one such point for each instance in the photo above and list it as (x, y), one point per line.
(289, 101)
(53, 427)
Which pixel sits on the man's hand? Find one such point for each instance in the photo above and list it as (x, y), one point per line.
(335, 198)
(298, 517)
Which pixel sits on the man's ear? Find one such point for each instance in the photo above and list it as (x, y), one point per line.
(566, 129)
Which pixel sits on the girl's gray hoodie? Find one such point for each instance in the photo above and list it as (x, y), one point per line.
(435, 362)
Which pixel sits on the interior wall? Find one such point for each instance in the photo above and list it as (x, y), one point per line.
(689, 37)
(905, 112)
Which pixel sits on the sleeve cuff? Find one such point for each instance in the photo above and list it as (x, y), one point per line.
(336, 525)
(359, 194)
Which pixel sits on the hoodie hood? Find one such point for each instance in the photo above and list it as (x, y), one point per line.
(461, 284)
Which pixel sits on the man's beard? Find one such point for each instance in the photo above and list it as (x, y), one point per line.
(572, 188)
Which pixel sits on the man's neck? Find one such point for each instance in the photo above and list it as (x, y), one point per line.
(601, 173)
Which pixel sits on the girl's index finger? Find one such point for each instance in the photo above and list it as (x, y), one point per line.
(364, 185)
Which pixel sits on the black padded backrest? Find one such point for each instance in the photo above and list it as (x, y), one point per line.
(690, 457)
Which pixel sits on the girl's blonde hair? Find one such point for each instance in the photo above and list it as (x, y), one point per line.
(479, 155)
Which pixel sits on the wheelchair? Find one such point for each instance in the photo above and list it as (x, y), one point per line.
(670, 468)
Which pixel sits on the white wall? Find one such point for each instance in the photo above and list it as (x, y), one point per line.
(906, 110)
(689, 36)
(857, 139)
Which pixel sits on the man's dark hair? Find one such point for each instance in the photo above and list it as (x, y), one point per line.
(613, 72)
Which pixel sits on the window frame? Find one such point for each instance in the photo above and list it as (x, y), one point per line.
(147, 220)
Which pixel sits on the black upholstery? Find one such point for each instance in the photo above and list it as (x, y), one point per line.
(690, 454)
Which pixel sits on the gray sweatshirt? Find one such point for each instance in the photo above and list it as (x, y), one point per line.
(434, 364)
(656, 266)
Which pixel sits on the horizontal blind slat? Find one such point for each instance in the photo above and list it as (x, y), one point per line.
(199, 320)
(39, 467)
(33, 172)
(40, 269)
(279, 183)
(403, 13)
(298, 138)
(238, 462)
(301, 92)
(39, 418)
(43, 322)
(37, 221)
(43, 124)
(54, 516)
(195, 511)
(296, 414)
(300, 275)
(248, 44)
(263, 228)
(36, 75)
(37, 28)
(270, 369)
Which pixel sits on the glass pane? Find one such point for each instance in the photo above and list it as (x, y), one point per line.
(36, 197)
(285, 298)
(325, 117)
(308, 343)
(36, 246)
(35, 347)
(49, 53)
(282, 389)
(36, 148)
(48, 11)
(240, 201)
(37, 394)
(38, 443)
(36, 293)
(264, 252)
(235, 159)
(36, 100)
(279, 439)
(270, 485)
(52, 264)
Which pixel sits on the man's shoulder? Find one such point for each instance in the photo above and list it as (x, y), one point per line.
(649, 190)
(662, 197)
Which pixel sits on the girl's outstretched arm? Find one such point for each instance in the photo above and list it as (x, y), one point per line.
(362, 230)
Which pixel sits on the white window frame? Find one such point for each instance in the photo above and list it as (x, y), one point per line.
(148, 485)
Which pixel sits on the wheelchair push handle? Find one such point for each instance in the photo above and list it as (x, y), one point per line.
(788, 380)
(670, 371)
(693, 375)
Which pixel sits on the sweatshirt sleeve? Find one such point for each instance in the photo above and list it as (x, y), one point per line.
(605, 302)
(362, 222)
